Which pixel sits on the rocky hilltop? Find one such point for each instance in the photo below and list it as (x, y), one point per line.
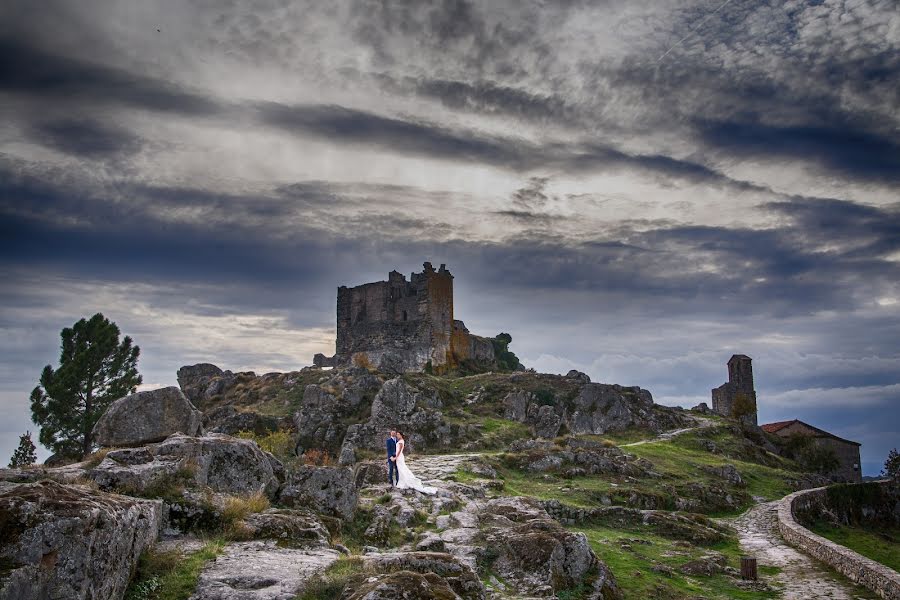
(265, 487)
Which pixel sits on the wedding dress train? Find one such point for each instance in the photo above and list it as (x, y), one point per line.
(406, 479)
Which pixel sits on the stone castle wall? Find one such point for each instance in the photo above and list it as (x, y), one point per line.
(873, 575)
(401, 325)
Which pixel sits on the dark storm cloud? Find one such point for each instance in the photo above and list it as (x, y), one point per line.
(271, 238)
(348, 126)
(341, 125)
(852, 152)
(85, 137)
(865, 231)
(33, 71)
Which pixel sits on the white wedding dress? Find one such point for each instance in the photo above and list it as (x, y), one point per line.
(405, 477)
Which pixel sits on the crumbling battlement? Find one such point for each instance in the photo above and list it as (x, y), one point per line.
(403, 325)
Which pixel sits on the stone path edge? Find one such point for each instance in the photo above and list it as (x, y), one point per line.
(873, 575)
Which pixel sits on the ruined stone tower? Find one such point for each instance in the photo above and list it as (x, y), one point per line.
(737, 398)
(399, 325)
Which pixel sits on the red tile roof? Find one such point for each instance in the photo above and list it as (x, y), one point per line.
(777, 426)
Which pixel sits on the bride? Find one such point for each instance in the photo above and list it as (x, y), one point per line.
(406, 479)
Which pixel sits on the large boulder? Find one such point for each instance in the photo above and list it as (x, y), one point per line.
(147, 417)
(532, 552)
(220, 462)
(328, 406)
(261, 570)
(600, 408)
(294, 528)
(203, 381)
(416, 413)
(72, 542)
(318, 422)
(327, 490)
(414, 575)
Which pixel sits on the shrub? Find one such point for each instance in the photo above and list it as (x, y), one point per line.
(238, 507)
(506, 360)
(743, 406)
(279, 443)
(892, 465)
(330, 585)
(361, 359)
(316, 457)
(95, 458)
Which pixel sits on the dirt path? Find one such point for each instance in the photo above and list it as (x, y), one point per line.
(702, 423)
(801, 577)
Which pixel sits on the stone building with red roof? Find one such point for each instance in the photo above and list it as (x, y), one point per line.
(846, 451)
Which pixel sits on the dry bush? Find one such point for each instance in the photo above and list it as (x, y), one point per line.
(238, 507)
(318, 458)
(361, 359)
(95, 458)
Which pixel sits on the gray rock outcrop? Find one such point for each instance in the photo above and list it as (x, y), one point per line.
(223, 463)
(260, 570)
(417, 414)
(146, 417)
(327, 490)
(227, 419)
(72, 542)
(203, 381)
(294, 528)
(533, 552)
(441, 575)
(600, 408)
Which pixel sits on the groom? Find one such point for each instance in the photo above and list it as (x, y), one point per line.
(391, 445)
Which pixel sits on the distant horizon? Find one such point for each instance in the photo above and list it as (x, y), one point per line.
(636, 190)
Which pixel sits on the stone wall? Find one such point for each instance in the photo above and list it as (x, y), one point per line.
(873, 575)
(399, 325)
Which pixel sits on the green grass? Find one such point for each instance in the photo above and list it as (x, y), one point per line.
(881, 546)
(632, 566)
(330, 584)
(170, 575)
(684, 464)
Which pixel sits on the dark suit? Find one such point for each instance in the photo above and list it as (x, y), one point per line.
(391, 445)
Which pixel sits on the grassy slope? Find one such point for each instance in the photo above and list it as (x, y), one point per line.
(679, 461)
(631, 562)
(882, 545)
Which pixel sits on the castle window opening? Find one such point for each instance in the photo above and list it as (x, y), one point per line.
(404, 315)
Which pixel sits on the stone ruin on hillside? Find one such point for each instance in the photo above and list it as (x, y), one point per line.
(399, 325)
(737, 398)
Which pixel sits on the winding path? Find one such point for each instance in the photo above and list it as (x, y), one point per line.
(701, 423)
(801, 577)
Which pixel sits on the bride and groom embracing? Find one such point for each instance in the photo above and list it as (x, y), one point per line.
(399, 474)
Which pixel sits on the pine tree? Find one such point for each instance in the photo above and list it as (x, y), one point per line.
(94, 370)
(25, 454)
(892, 465)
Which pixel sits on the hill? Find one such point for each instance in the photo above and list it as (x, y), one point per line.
(548, 486)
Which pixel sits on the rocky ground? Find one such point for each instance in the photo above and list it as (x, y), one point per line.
(245, 487)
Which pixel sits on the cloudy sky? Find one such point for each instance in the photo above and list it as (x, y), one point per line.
(637, 189)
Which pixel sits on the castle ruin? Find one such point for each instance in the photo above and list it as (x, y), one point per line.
(737, 398)
(399, 325)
